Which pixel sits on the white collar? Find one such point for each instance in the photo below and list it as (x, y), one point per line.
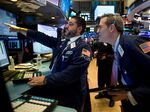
(73, 39)
(116, 43)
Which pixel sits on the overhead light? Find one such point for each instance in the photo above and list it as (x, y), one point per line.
(14, 0)
(52, 17)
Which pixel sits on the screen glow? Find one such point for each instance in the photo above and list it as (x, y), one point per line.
(101, 10)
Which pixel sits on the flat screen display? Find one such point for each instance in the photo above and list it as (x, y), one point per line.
(14, 44)
(101, 10)
(48, 30)
(65, 6)
(72, 13)
(7, 17)
(90, 35)
(4, 61)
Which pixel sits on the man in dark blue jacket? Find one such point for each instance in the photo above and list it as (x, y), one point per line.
(104, 60)
(132, 59)
(68, 79)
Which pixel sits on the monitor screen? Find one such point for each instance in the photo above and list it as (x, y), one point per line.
(72, 13)
(14, 44)
(65, 6)
(90, 35)
(4, 61)
(7, 17)
(48, 30)
(101, 10)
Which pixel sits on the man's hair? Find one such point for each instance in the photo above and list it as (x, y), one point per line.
(80, 22)
(115, 19)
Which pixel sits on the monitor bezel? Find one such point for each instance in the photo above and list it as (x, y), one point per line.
(5, 66)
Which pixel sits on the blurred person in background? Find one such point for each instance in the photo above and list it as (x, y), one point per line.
(104, 56)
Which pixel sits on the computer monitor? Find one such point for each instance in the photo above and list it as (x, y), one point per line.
(14, 45)
(7, 17)
(72, 13)
(4, 61)
(65, 6)
(103, 9)
(4, 96)
(90, 35)
(38, 48)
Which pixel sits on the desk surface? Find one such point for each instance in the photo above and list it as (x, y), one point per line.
(15, 90)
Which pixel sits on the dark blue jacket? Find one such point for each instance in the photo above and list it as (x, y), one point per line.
(68, 79)
(135, 69)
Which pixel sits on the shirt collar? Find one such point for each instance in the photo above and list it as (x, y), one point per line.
(73, 39)
(116, 43)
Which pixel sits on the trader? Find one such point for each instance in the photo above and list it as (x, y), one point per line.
(104, 60)
(68, 79)
(132, 59)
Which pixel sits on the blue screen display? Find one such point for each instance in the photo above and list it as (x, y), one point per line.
(90, 35)
(72, 13)
(7, 17)
(145, 33)
(4, 61)
(14, 44)
(65, 6)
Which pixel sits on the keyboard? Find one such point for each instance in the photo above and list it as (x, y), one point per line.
(9, 74)
(25, 76)
(28, 103)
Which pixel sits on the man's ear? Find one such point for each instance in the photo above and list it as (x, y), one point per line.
(80, 28)
(112, 27)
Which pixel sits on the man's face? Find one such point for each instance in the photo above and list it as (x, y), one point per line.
(104, 31)
(70, 29)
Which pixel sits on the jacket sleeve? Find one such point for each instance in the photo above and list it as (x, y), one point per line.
(42, 38)
(142, 62)
(75, 70)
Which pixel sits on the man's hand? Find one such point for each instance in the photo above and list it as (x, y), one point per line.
(13, 28)
(37, 81)
(118, 95)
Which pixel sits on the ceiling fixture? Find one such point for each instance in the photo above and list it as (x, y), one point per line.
(52, 17)
(14, 0)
